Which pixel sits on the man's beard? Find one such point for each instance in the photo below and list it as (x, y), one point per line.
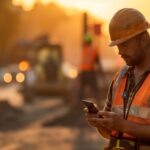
(134, 61)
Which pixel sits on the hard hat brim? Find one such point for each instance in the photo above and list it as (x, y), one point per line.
(117, 42)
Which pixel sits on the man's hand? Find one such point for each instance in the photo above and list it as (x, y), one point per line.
(95, 121)
(111, 120)
(90, 116)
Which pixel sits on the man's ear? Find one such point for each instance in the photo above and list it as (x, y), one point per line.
(145, 39)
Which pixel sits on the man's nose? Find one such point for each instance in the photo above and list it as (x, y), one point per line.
(121, 51)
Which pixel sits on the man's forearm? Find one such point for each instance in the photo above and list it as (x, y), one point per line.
(137, 130)
(104, 132)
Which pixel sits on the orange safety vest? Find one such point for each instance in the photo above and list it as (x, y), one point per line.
(139, 111)
(88, 58)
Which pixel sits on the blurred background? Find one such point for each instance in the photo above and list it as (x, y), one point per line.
(40, 55)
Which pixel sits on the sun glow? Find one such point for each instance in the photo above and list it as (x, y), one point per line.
(17, 2)
(26, 4)
(45, 2)
(98, 7)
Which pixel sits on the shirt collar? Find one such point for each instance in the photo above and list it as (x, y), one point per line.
(131, 68)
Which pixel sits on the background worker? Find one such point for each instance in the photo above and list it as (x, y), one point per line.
(126, 115)
(89, 68)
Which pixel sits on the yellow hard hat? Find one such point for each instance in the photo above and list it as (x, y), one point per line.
(125, 24)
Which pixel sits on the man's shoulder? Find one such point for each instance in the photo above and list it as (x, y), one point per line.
(121, 72)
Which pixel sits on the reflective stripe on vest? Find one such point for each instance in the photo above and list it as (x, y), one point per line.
(88, 57)
(136, 111)
(118, 79)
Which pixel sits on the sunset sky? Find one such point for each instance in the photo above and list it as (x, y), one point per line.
(101, 8)
(106, 8)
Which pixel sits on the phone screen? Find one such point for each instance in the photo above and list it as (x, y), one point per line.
(90, 105)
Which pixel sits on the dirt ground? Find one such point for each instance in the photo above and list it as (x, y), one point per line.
(47, 125)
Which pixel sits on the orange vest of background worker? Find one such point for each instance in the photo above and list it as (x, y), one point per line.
(89, 58)
(88, 70)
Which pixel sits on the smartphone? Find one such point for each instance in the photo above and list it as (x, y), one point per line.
(91, 107)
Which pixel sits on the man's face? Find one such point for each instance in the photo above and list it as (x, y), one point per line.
(131, 51)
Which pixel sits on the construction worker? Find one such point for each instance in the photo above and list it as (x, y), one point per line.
(126, 115)
(89, 68)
